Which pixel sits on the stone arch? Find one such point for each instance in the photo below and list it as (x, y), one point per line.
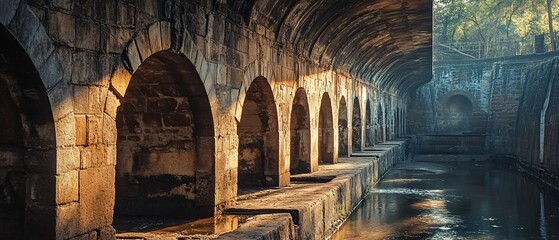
(300, 134)
(154, 39)
(356, 126)
(369, 125)
(253, 71)
(35, 102)
(343, 150)
(458, 112)
(463, 93)
(326, 131)
(165, 148)
(258, 138)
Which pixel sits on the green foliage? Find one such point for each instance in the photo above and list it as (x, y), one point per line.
(490, 20)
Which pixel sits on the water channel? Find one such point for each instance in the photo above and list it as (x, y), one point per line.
(455, 200)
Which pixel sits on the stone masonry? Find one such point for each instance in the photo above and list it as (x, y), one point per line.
(513, 100)
(165, 108)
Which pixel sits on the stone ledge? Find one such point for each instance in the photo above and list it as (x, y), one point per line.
(318, 203)
(265, 227)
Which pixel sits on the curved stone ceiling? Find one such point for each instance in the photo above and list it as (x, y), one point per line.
(386, 42)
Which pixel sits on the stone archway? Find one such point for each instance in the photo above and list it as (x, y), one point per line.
(165, 145)
(258, 138)
(326, 132)
(458, 114)
(343, 129)
(369, 126)
(300, 134)
(28, 164)
(356, 126)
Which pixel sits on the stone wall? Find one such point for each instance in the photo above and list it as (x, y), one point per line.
(537, 126)
(515, 101)
(158, 97)
(476, 97)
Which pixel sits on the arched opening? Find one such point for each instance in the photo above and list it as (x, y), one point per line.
(27, 147)
(459, 113)
(342, 129)
(369, 126)
(356, 126)
(300, 134)
(165, 142)
(258, 139)
(380, 125)
(326, 131)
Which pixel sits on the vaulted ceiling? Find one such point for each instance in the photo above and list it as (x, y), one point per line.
(387, 42)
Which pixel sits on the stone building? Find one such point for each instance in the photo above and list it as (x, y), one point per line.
(511, 101)
(166, 107)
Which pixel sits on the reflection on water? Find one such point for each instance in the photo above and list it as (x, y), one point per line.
(455, 201)
(208, 227)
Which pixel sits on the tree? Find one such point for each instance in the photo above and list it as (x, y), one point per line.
(497, 26)
(550, 23)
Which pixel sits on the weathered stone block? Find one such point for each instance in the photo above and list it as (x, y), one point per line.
(154, 32)
(67, 187)
(221, 74)
(125, 14)
(9, 11)
(132, 57)
(65, 131)
(51, 71)
(109, 130)
(165, 35)
(68, 159)
(96, 156)
(117, 39)
(94, 129)
(96, 99)
(81, 130)
(96, 197)
(80, 97)
(111, 104)
(62, 27)
(107, 233)
(67, 224)
(87, 34)
(86, 69)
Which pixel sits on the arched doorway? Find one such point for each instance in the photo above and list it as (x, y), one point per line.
(369, 126)
(300, 134)
(27, 147)
(459, 113)
(165, 142)
(325, 131)
(258, 138)
(342, 129)
(356, 126)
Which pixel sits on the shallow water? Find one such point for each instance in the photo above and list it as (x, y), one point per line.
(463, 200)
